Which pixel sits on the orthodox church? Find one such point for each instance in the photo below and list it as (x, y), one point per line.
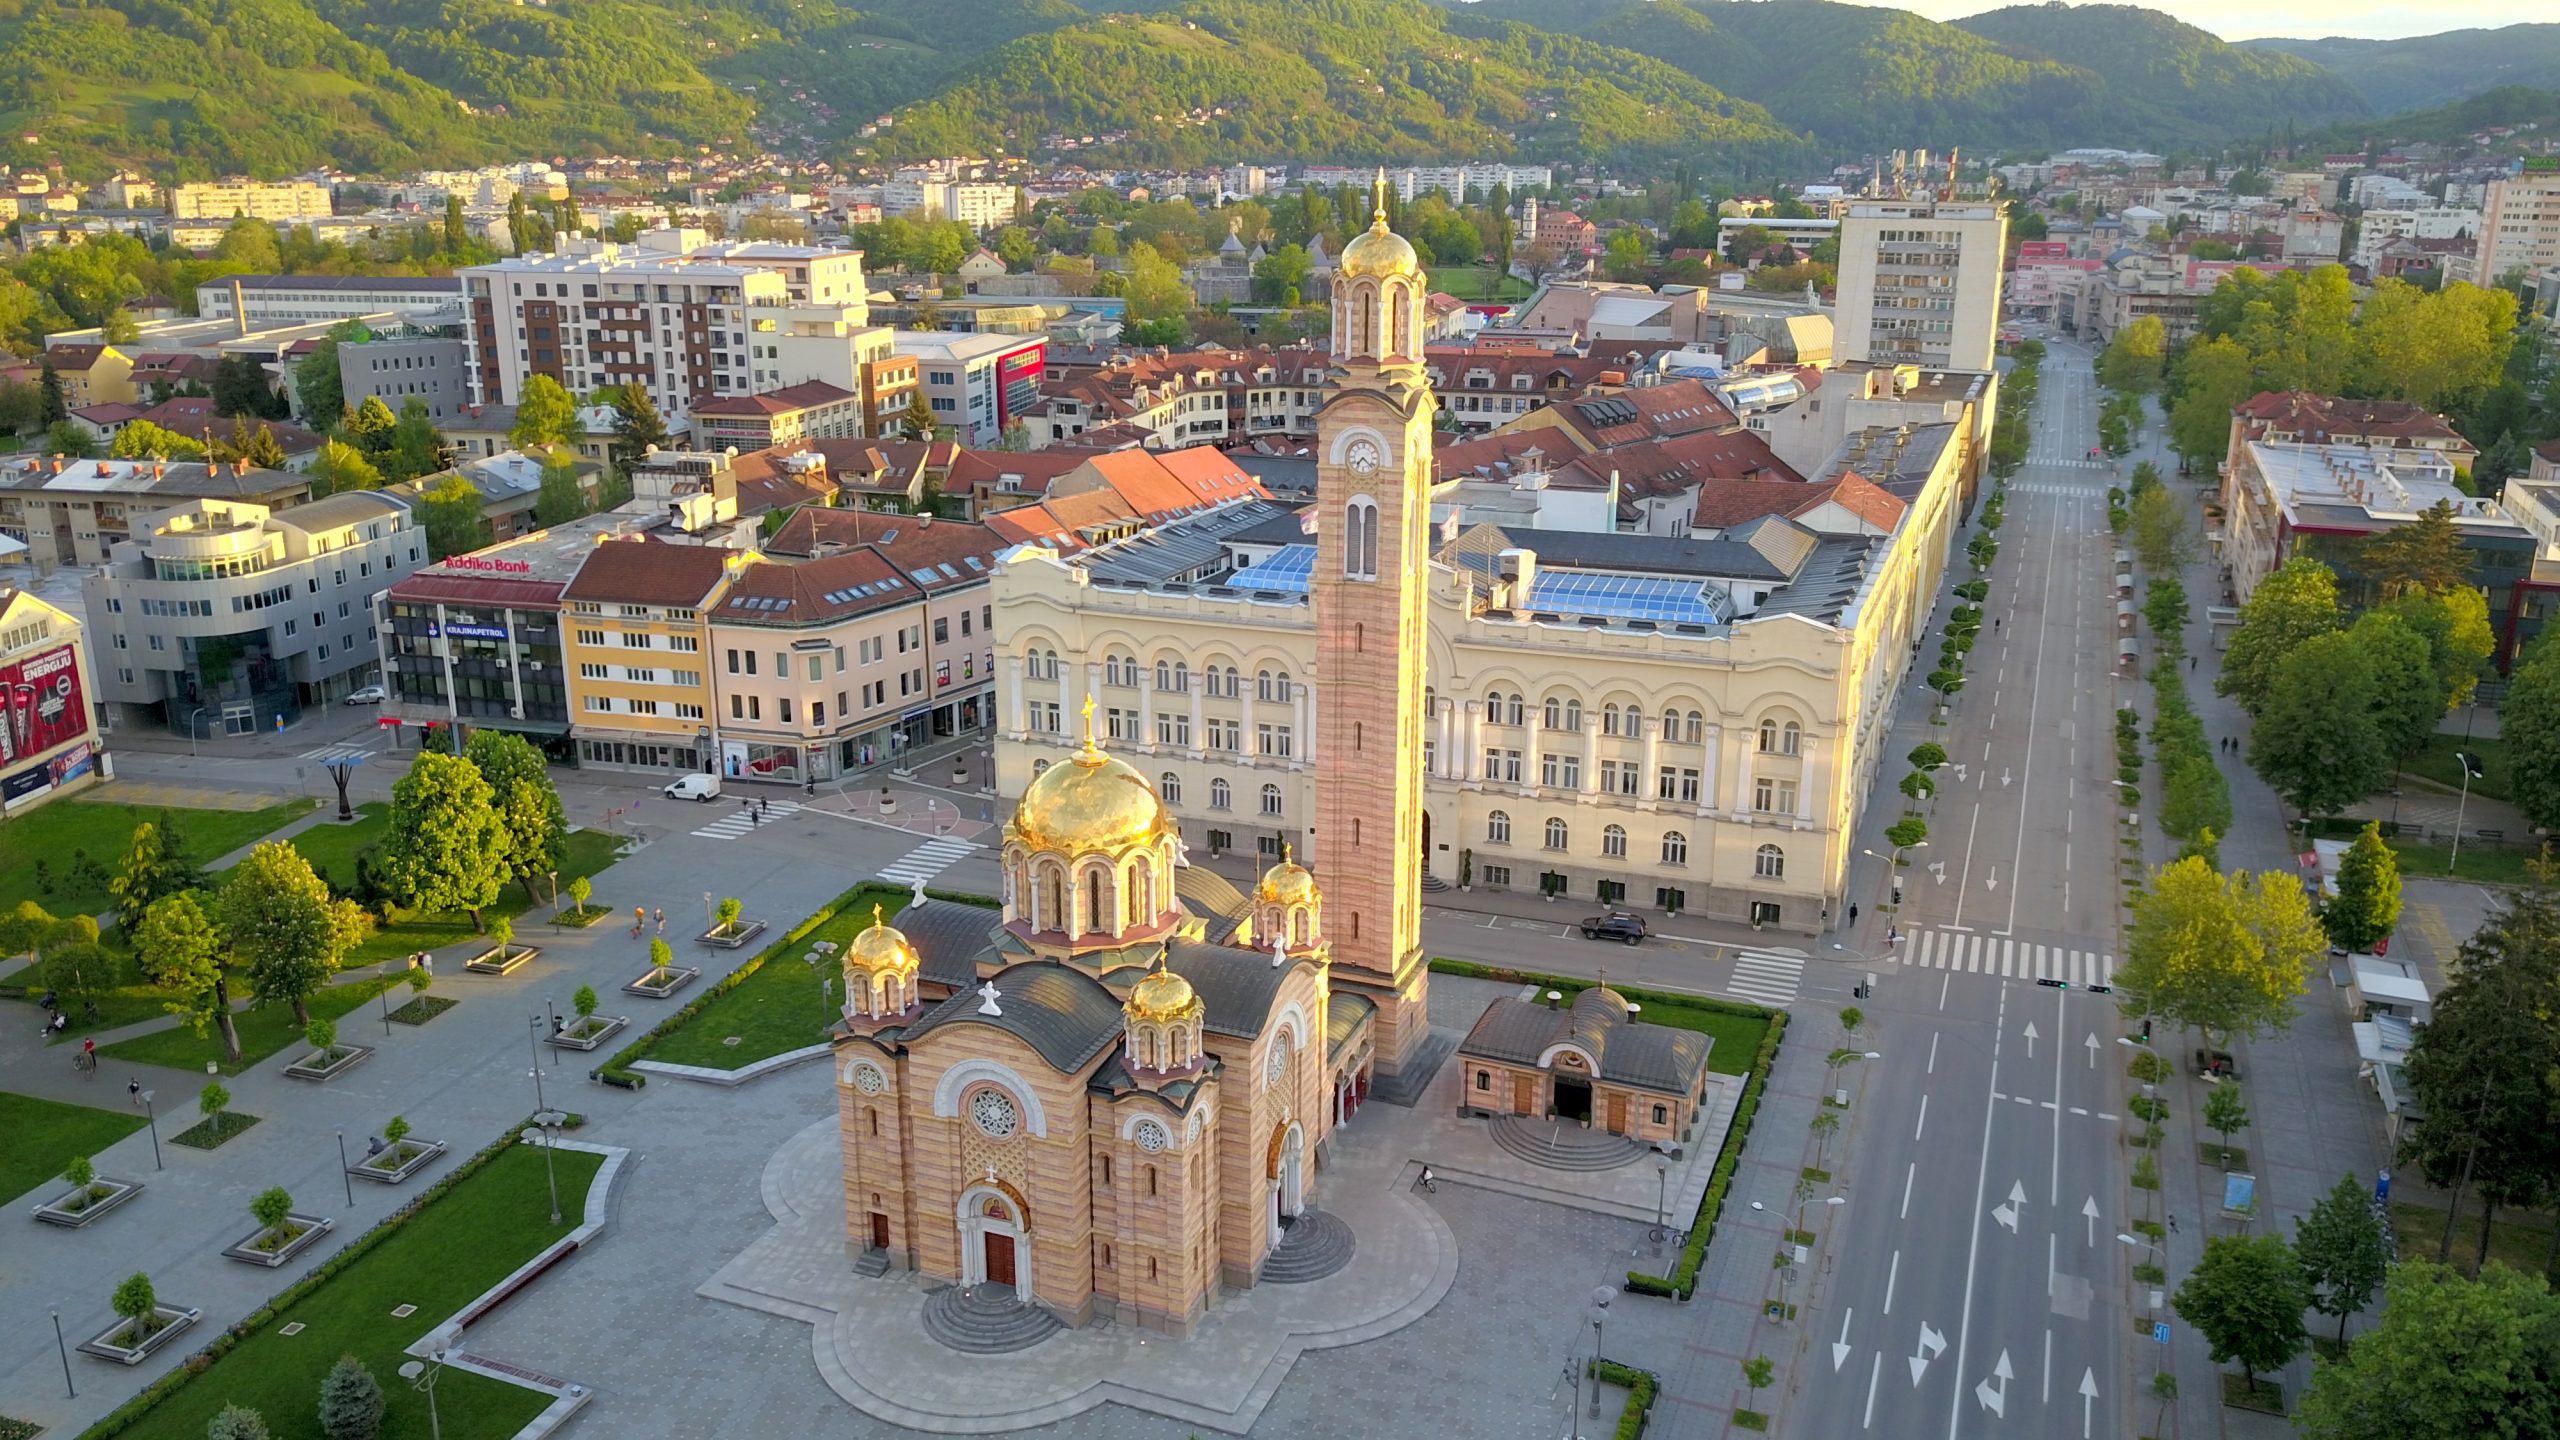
(1116, 1097)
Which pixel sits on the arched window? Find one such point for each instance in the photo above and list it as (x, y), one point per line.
(1223, 682)
(1038, 767)
(1670, 725)
(1171, 788)
(1120, 669)
(1360, 538)
(1273, 686)
(1093, 896)
(1769, 863)
(1173, 676)
(1613, 842)
(1512, 711)
(1270, 799)
(1430, 700)
(1497, 828)
(1768, 737)
(1221, 795)
(1694, 728)
(1563, 713)
(1790, 739)
(1558, 837)
(1675, 848)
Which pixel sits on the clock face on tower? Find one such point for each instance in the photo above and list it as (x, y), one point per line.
(1363, 457)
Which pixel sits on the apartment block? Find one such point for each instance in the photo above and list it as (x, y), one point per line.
(1920, 282)
(638, 685)
(2520, 221)
(72, 512)
(810, 410)
(228, 199)
(398, 369)
(976, 384)
(834, 345)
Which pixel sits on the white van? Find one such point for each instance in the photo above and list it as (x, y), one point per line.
(697, 786)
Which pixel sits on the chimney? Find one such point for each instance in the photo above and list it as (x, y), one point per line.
(159, 469)
(239, 309)
(57, 462)
(240, 466)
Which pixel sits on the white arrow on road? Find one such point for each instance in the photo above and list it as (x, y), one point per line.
(1996, 1400)
(1993, 880)
(1840, 1347)
(2088, 1400)
(2031, 1039)
(2007, 1215)
(2090, 1211)
(2092, 1043)
(1931, 1342)
(2004, 777)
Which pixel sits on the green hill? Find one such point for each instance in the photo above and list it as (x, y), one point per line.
(2168, 82)
(1327, 79)
(2424, 71)
(2454, 124)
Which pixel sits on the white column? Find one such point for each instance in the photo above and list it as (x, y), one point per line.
(1017, 706)
(1303, 748)
(1245, 690)
(1146, 710)
(1199, 732)
(1447, 723)
(1648, 786)
(1746, 745)
(1468, 763)
(1709, 782)
(1804, 779)
(1590, 755)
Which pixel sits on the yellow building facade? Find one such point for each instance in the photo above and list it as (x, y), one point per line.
(633, 642)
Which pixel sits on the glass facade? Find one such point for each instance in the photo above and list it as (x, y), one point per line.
(504, 664)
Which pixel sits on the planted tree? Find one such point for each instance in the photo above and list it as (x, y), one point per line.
(323, 1035)
(728, 913)
(1918, 786)
(2246, 1297)
(2342, 1251)
(182, 952)
(1825, 1124)
(85, 1189)
(1928, 755)
(579, 889)
(2317, 739)
(531, 824)
(350, 1402)
(155, 865)
(447, 849)
(271, 1208)
(212, 1100)
(1757, 1372)
(139, 1304)
(237, 1422)
(2451, 1358)
(2225, 954)
(2224, 1113)
(2297, 602)
(2366, 908)
(395, 1131)
(584, 1002)
(1907, 832)
(285, 926)
(662, 959)
(503, 931)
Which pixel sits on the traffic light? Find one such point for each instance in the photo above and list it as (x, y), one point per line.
(1897, 892)
(2053, 983)
(2146, 1029)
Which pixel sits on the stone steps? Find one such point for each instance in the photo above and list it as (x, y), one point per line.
(1433, 885)
(872, 1263)
(989, 1322)
(1314, 1245)
(1563, 1145)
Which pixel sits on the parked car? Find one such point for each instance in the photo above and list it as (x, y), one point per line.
(697, 786)
(2216, 1063)
(368, 695)
(1616, 925)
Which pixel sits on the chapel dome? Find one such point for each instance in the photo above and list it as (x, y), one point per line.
(1163, 995)
(1379, 253)
(1089, 802)
(1287, 883)
(880, 948)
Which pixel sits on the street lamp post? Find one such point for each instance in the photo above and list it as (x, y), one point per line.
(191, 731)
(1661, 1197)
(534, 1024)
(152, 1116)
(66, 1354)
(2470, 771)
(421, 1376)
(551, 1013)
(386, 1000)
(1599, 1316)
(2160, 1358)
(545, 1131)
(346, 1177)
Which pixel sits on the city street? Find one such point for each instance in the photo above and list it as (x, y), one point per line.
(1971, 1281)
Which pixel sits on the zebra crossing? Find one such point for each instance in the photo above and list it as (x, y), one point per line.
(344, 750)
(2077, 492)
(926, 861)
(2076, 462)
(1766, 977)
(1934, 949)
(744, 821)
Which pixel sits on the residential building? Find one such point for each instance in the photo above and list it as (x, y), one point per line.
(857, 654)
(230, 199)
(2137, 284)
(1855, 398)
(74, 512)
(2298, 417)
(639, 685)
(974, 204)
(811, 274)
(92, 374)
(271, 300)
(510, 486)
(1920, 282)
(2379, 228)
(810, 410)
(1174, 399)
(2520, 221)
(396, 368)
(1590, 311)
(1117, 494)
(50, 739)
(1648, 447)
(1568, 234)
(1803, 234)
(836, 345)
(222, 617)
(976, 384)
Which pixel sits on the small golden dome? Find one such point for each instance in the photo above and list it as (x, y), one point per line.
(880, 948)
(1379, 252)
(1288, 883)
(1163, 995)
(1089, 802)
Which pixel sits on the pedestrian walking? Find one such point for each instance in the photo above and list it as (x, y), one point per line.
(1853, 913)
(133, 1090)
(427, 962)
(2173, 1222)
(2191, 664)
(89, 1056)
(639, 921)
(662, 919)
(809, 787)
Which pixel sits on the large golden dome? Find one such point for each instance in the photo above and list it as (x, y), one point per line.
(879, 948)
(1089, 802)
(1162, 995)
(1288, 883)
(1379, 252)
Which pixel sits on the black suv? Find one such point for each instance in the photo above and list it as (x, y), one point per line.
(1616, 925)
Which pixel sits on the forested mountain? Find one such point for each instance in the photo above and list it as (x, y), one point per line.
(2425, 71)
(2167, 81)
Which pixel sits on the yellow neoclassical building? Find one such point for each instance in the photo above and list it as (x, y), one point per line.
(1684, 723)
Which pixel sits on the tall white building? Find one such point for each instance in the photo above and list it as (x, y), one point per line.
(2520, 222)
(1920, 282)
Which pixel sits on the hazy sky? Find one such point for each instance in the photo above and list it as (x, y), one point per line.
(2376, 19)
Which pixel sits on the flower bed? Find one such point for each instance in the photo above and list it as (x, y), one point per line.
(659, 984)
(732, 937)
(587, 1033)
(579, 917)
(81, 1205)
(502, 959)
(117, 1341)
(396, 1163)
(336, 1061)
(213, 1133)
(273, 1248)
(423, 1009)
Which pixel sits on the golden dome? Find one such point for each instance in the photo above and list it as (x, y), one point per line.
(1089, 802)
(880, 948)
(1288, 883)
(1162, 995)
(1379, 252)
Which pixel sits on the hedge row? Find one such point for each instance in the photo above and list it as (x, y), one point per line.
(1509, 976)
(124, 1416)
(1683, 1280)
(617, 1071)
(1642, 1386)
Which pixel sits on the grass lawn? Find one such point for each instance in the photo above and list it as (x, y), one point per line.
(463, 1243)
(56, 835)
(779, 1007)
(1737, 1037)
(2266, 1397)
(46, 1135)
(263, 1031)
(332, 848)
(2520, 1239)
(2495, 864)
(2435, 762)
(1472, 282)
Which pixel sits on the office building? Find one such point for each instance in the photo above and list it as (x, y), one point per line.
(1920, 282)
(2520, 221)
(72, 512)
(976, 384)
(272, 300)
(638, 688)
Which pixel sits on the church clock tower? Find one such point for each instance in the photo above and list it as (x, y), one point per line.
(1373, 487)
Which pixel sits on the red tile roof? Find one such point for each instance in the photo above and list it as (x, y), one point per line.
(649, 572)
(790, 399)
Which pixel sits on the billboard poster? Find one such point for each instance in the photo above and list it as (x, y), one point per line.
(40, 704)
(25, 787)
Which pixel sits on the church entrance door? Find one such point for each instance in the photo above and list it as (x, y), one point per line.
(999, 1259)
(879, 1231)
(1573, 1098)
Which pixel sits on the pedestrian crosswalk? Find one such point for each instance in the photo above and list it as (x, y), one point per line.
(745, 820)
(2074, 491)
(2077, 462)
(926, 861)
(344, 750)
(1937, 949)
(1766, 976)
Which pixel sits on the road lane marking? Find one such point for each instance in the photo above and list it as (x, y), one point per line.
(1872, 1372)
(1933, 1052)
(2055, 1104)
(1973, 1254)
(1907, 1175)
(1923, 1122)
(1892, 1272)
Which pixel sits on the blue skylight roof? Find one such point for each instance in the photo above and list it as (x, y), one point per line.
(1663, 599)
(1289, 568)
